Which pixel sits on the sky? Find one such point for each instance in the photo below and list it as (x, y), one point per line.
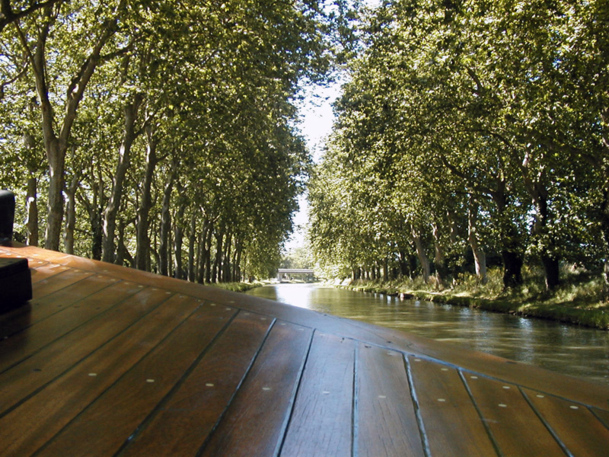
(317, 118)
(316, 113)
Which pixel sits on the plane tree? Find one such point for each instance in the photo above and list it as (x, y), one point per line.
(484, 109)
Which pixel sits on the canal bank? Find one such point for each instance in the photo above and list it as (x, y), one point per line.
(576, 302)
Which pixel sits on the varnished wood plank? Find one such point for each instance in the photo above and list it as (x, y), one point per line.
(57, 282)
(386, 418)
(452, 424)
(583, 434)
(40, 308)
(513, 372)
(32, 339)
(516, 427)
(34, 422)
(254, 422)
(321, 424)
(109, 421)
(42, 367)
(580, 392)
(497, 367)
(44, 272)
(603, 415)
(182, 424)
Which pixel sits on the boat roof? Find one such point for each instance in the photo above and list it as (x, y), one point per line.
(107, 360)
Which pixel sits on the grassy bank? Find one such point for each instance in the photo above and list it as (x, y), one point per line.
(579, 300)
(237, 286)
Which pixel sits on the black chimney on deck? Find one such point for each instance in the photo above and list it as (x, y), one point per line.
(7, 216)
(15, 276)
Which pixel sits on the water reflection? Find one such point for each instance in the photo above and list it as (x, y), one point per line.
(567, 349)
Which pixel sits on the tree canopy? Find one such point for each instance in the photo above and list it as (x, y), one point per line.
(470, 130)
(161, 135)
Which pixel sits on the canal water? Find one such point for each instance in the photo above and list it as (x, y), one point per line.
(568, 349)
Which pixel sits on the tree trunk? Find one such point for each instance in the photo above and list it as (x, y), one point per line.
(439, 257)
(98, 233)
(192, 238)
(511, 249)
(143, 213)
(32, 210)
(418, 243)
(178, 238)
(131, 112)
(208, 240)
(217, 267)
(166, 223)
(200, 263)
(95, 211)
(122, 252)
(56, 157)
(237, 263)
(550, 262)
(226, 264)
(479, 254)
(386, 269)
(71, 216)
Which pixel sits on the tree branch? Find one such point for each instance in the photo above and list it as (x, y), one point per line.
(8, 16)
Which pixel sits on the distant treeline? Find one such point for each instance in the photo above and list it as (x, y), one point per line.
(470, 131)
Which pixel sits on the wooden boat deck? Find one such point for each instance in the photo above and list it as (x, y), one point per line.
(110, 361)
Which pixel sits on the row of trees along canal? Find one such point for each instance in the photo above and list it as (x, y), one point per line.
(470, 127)
(160, 134)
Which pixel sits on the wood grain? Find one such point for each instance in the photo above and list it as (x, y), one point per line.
(386, 418)
(40, 308)
(603, 415)
(182, 424)
(516, 427)
(24, 344)
(452, 424)
(43, 272)
(34, 422)
(321, 423)
(72, 377)
(255, 421)
(582, 433)
(42, 367)
(114, 416)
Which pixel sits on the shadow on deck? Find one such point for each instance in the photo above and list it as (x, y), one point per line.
(108, 361)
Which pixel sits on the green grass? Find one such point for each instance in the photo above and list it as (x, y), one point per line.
(578, 300)
(237, 286)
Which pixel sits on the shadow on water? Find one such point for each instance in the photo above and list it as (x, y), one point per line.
(568, 349)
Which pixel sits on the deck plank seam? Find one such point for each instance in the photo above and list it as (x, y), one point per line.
(98, 316)
(454, 366)
(116, 381)
(481, 416)
(167, 398)
(78, 362)
(237, 388)
(543, 420)
(549, 394)
(490, 377)
(53, 275)
(284, 427)
(298, 388)
(417, 407)
(599, 418)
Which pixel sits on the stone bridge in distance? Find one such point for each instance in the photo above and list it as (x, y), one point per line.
(292, 271)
